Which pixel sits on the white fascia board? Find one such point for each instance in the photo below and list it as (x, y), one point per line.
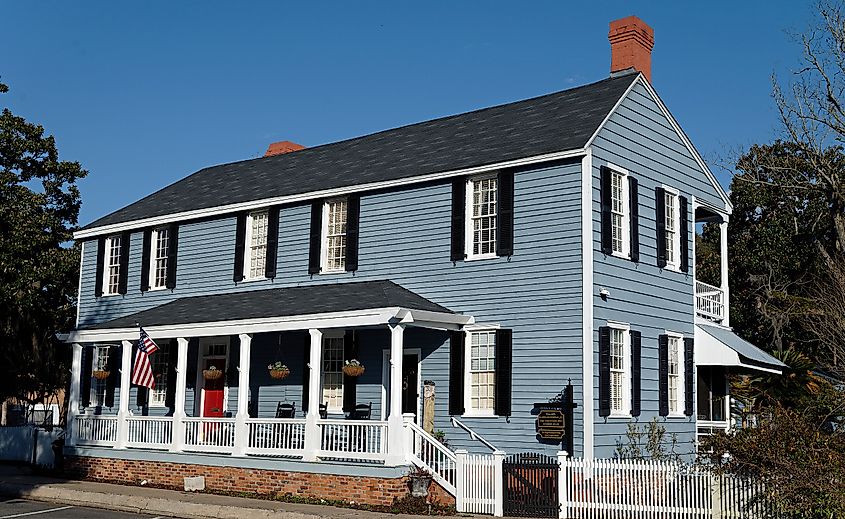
(326, 193)
(675, 126)
(587, 303)
(436, 320)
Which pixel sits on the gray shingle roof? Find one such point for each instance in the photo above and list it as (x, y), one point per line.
(277, 302)
(551, 123)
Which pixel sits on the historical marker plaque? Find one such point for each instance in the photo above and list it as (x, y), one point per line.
(551, 424)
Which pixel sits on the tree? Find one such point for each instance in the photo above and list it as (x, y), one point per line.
(39, 207)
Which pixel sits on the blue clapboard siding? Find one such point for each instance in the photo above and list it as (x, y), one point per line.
(639, 138)
(405, 237)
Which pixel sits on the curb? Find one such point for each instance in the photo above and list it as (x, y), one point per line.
(144, 505)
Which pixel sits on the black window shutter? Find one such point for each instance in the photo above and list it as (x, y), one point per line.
(306, 373)
(350, 398)
(172, 359)
(663, 368)
(504, 222)
(172, 254)
(353, 214)
(272, 242)
(101, 258)
(660, 220)
(123, 275)
(314, 246)
(636, 372)
(456, 373)
(114, 364)
(504, 371)
(606, 214)
(85, 383)
(689, 368)
(634, 218)
(145, 259)
(683, 221)
(604, 371)
(459, 190)
(240, 246)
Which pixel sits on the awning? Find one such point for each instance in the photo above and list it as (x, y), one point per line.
(336, 305)
(719, 346)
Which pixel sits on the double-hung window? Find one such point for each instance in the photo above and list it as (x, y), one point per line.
(158, 361)
(620, 370)
(619, 213)
(98, 386)
(671, 224)
(675, 374)
(482, 214)
(334, 235)
(256, 245)
(481, 353)
(160, 244)
(111, 273)
(332, 388)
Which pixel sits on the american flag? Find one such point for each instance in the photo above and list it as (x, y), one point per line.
(142, 373)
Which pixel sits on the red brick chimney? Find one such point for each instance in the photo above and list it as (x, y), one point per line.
(631, 41)
(281, 147)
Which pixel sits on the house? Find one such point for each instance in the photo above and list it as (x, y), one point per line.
(474, 265)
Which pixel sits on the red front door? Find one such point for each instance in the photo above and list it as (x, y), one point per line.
(213, 390)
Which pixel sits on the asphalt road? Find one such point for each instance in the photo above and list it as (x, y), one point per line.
(37, 510)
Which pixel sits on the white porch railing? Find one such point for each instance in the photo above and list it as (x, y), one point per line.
(149, 432)
(426, 452)
(96, 430)
(709, 301)
(352, 439)
(210, 434)
(276, 436)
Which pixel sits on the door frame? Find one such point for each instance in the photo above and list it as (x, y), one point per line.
(385, 380)
(200, 382)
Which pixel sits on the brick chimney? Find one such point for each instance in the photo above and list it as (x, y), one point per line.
(631, 41)
(281, 147)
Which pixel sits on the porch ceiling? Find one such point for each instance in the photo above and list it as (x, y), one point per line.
(355, 304)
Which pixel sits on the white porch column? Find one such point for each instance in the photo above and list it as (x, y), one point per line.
(313, 438)
(241, 429)
(179, 398)
(73, 399)
(723, 257)
(396, 447)
(123, 405)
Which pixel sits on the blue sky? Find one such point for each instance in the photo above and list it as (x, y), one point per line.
(146, 93)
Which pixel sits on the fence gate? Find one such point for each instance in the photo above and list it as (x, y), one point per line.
(530, 483)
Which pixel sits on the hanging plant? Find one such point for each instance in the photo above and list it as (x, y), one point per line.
(353, 368)
(278, 370)
(212, 373)
(101, 374)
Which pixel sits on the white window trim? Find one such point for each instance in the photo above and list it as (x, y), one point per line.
(626, 213)
(468, 228)
(324, 237)
(331, 334)
(469, 411)
(675, 265)
(152, 401)
(625, 412)
(153, 252)
(681, 376)
(248, 245)
(104, 283)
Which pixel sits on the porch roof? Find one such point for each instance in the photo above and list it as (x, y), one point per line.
(720, 346)
(362, 303)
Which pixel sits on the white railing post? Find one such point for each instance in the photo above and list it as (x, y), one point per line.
(123, 405)
(313, 433)
(241, 429)
(178, 440)
(498, 484)
(460, 479)
(562, 484)
(723, 257)
(408, 435)
(73, 399)
(395, 445)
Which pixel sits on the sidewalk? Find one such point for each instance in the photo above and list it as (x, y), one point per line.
(20, 483)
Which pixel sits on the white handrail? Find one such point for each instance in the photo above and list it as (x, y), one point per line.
(474, 435)
(427, 452)
(153, 432)
(358, 439)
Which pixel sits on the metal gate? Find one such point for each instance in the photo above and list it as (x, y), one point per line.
(530, 483)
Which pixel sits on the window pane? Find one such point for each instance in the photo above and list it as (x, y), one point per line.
(160, 251)
(674, 376)
(617, 202)
(336, 235)
(113, 262)
(482, 370)
(617, 370)
(333, 372)
(484, 214)
(257, 244)
(158, 361)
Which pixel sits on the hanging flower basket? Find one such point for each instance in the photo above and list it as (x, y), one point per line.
(353, 368)
(278, 370)
(101, 374)
(212, 373)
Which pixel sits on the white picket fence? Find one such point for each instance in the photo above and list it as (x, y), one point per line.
(479, 483)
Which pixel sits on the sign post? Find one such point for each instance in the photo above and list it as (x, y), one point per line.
(554, 421)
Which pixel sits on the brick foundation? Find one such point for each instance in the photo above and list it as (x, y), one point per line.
(359, 489)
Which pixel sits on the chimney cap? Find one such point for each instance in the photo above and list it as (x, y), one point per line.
(282, 147)
(631, 42)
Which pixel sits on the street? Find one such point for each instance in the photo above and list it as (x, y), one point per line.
(22, 508)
